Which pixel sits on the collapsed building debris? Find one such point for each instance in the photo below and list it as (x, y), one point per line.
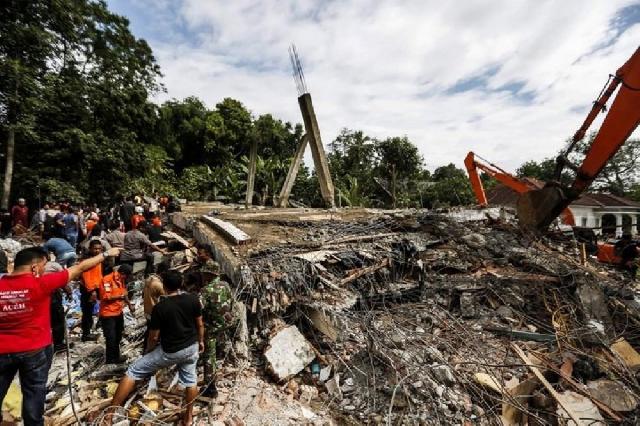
(411, 315)
(398, 317)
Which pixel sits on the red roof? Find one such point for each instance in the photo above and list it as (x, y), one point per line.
(504, 196)
(604, 200)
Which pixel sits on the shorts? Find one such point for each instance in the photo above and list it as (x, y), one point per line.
(185, 360)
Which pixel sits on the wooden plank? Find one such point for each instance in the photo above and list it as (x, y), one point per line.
(360, 238)
(82, 411)
(580, 388)
(520, 394)
(626, 354)
(364, 271)
(535, 370)
(174, 236)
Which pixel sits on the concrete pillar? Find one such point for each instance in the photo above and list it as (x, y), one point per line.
(618, 224)
(251, 178)
(317, 149)
(283, 199)
(251, 174)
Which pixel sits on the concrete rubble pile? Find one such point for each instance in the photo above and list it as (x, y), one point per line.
(417, 318)
(401, 317)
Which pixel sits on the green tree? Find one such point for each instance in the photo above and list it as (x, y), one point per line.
(400, 165)
(620, 173)
(352, 158)
(450, 187)
(26, 47)
(86, 106)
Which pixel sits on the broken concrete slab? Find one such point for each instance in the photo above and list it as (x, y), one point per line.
(333, 387)
(227, 229)
(613, 394)
(288, 353)
(594, 306)
(444, 374)
(581, 406)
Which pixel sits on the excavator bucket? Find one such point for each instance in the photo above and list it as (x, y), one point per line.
(537, 209)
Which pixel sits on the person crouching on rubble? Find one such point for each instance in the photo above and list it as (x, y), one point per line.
(176, 322)
(216, 298)
(25, 325)
(112, 294)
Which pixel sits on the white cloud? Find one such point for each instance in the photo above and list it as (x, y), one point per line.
(385, 66)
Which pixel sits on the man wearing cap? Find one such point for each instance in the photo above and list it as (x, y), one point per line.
(216, 299)
(112, 293)
(138, 217)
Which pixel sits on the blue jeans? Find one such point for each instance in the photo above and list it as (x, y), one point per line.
(33, 368)
(67, 259)
(185, 360)
(73, 239)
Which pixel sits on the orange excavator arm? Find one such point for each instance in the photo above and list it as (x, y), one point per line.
(494, 171)
(520, 186)
(537, 209)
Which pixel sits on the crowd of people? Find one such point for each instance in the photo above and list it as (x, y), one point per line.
(185, 312)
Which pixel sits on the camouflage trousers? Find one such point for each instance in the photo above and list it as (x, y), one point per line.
(214, 337)
(211, 339)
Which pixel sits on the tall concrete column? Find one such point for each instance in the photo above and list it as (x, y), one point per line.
(283, 199)
(618, 224)
(317, 149)
(251, 178)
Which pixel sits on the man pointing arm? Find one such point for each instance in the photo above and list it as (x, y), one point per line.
(25, 325)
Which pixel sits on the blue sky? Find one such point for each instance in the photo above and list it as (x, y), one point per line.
(509, 79)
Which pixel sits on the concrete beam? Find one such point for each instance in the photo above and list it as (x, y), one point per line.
(317, 149)
(253, 157)
(283, 198)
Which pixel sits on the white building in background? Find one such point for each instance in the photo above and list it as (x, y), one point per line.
(605, 213)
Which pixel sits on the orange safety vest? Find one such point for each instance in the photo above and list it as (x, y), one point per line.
(112, 285)
(93, 277)
(90, 223)
(135, 219)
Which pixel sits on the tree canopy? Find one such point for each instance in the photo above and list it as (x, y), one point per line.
(77, 122)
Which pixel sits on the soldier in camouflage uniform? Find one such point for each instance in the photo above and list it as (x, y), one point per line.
(217, 299)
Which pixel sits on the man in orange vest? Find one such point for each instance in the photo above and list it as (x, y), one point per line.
(112, 293)
(90, 281)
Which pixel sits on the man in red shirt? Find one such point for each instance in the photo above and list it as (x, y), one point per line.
(20, 214)
(25, 325)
